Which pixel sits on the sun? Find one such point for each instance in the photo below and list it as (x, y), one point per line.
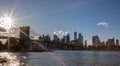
(6, 21)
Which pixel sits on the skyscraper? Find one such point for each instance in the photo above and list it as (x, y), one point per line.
(75, 35)
(111, 41)
(117, 42)
(80, 39)
(85, 43)
(56, 39)
(110, 44)
(67, 39)
(95, 41)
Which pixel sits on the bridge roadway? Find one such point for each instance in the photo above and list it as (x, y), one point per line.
(6, 37)
(48, 43)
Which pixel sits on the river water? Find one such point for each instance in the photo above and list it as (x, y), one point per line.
(66, 58)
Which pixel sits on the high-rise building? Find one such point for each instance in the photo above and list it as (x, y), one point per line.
(95, 41)
(75, 35)
(111, 41)
(56, 39)
(80, 39)
(85, 43)
(67, 39)
(24, 37)
(47, 38)
(117, 42)
(56, 43)
(110, 44)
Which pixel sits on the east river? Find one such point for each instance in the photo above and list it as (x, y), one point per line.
(62, 58)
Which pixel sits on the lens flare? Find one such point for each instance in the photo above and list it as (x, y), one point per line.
(6, 21)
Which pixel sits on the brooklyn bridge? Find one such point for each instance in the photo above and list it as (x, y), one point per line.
(24, 39)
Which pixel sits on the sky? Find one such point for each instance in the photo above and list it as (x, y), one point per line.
(89, 17)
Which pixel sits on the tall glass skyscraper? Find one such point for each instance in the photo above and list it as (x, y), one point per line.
(75, 35)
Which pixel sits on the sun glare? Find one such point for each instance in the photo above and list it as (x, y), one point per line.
(6, 21)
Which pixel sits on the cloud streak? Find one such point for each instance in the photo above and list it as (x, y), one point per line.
(103, 24)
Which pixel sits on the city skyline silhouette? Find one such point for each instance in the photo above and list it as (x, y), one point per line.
(59, 32)
(95, 17)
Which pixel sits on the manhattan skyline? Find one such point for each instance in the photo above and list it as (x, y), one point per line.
(89, 17)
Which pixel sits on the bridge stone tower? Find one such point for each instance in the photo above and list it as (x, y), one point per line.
(24, 37)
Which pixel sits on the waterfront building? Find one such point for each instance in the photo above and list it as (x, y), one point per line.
(86, 43)
(111, 44)
(56, 42)
(66, 39)
(44, 40)
(80, 39)
(111, 41)
(75, 35)
(56, 39)
(95, 41)
(41, 39)
(117, 42)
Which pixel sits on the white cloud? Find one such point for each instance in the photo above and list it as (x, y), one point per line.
(60, 34)
(103, 24)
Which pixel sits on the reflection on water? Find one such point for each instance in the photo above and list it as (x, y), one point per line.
(72, 58)
(23, 58)
(65, 58)
(8, 59)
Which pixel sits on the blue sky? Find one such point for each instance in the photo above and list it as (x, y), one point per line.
(47, 16)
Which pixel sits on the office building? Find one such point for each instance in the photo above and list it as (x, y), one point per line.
(75, 35)
(80, 39)
(95, 41)
(117, 42)
(86, 43)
